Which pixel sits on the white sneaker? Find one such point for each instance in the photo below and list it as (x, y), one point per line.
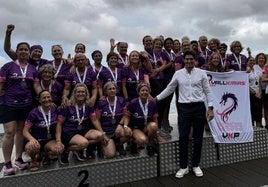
(182, 172)
(197, 171)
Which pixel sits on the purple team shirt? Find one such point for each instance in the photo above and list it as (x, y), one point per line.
(64, 70)
(70, 120)
(106, 76)
(90, 80)
(131, 81)
(135, 113)
(103, 110)
(233, 63)
(36, 122)
(18, 92)
(169, 58)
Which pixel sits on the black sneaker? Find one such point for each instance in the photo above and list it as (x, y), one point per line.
(121, 150)
(80, 155)
(90, 151)
(63, 160)
(133, 148)
(150, 150)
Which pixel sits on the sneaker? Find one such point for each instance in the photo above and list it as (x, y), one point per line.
(182, 172)
(34, 166)
(63, 159)
(150, 150)
(21, 164)
(133, 148)
(121, 150)
(80, 155)
(164, 134)
(8, 169)
(197, 171)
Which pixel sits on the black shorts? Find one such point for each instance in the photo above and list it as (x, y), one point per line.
(67, 136)
(9, 113)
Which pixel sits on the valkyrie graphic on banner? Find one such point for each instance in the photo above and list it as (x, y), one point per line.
(232, 122)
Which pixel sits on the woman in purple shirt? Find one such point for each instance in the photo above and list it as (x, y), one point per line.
(18, 81)
(236, 61)
(110, 110)
(48, 82)
(111, 73)
(61, 65)
(141, 117)
(72, 127)
(134, 73)
(36, 51)
(80, 74)
(39, 130)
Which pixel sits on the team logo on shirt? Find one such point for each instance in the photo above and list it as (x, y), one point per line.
(229, 103)
(14, 76)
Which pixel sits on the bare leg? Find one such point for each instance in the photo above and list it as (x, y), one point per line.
(19, 139)
(8, 140)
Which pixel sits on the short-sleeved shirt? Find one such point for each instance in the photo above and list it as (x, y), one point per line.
(131, 81)
(18, 91)
(104, 111)
(90, 79)
(56, 92)
(36, 122)
(106, 76)
(134, 111)
(169, 58)
(237, 64)
(70, 119)
(63, 71)
(155, 59)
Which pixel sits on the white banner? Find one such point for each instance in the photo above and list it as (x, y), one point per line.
(232, 119)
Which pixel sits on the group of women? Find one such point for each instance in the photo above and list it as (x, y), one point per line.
(68, 105)
(74, 105)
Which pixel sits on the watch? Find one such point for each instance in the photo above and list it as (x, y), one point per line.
(210, 107)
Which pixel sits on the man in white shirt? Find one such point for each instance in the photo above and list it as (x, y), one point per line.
(193, 88)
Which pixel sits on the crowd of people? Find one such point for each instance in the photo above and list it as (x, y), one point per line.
(52, 107)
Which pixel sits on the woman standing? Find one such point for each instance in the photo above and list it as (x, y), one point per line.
(255, 91)
(80, 74)
(18, 79)
(110, 112)
(39, 130)
(48, 82)
(133, 75)
(236, 61)
(112, 73)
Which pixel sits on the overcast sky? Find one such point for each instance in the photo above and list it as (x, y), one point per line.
(94, 22)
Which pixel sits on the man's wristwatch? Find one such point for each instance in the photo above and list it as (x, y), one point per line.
(210, 107)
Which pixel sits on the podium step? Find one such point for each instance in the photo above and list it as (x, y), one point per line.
(95, 172)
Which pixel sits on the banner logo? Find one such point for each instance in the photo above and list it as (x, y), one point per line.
(224, 115)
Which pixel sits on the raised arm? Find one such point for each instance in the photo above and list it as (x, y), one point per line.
(7, 43)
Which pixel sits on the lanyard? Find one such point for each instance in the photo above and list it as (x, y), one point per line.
(49, 87)
(137, 75)
(58, 70)
(84, 75)
(144, 110)
(47, 119)
(23, 71)
(121, 58)
(94, 69)
(113, 75)
(80, 120)
(238, 60)
(114, 108)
